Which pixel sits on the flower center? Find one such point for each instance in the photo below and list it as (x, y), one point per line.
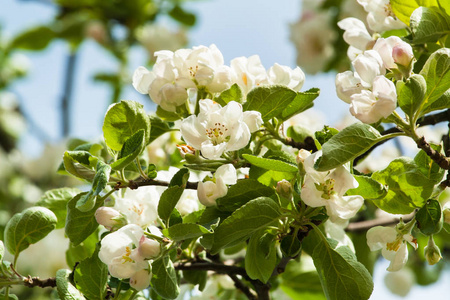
(217, 133)
(126, 258)
(327, 188)
(193, 71)
(395, 245)
(138, 209)
(388, 11)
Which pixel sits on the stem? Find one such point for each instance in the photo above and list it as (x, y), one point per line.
(67, 96)
(133, 295)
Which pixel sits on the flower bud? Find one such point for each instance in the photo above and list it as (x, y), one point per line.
(446, 212)
(185, 149)
(149, 248)
(284, 189)
(432, 252)
(109, 217)
(140, 280)
(402, 54)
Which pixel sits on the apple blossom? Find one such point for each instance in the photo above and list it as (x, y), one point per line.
(215, 188)
(109, 217)
(355, 33)
(248, 72)
(328, 189)
(380, 16)
(371, 106)
(347, 84)
(119, 250)
(284, 75)
(394, 51)
(336, 231)
(219, 129)
(368, 66)
(150, 248)
(392, 244)
(139, 206)
(141, 279)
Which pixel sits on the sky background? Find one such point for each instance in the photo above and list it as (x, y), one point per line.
(237, 27)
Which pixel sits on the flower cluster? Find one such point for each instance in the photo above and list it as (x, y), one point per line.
(176, 74)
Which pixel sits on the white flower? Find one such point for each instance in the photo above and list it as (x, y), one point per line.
(336, 231)
(380, 16)
(392, 244)
(248, 72)
(149, 248)
(139, 206)
(368, 66)
(313, 36)
(328, 189)
(218, 129)
(108, 217)
(371, 106)
(400, 282)
(119, 250)
(142, 78)
(213, 189)
(284, 75)
(141, 279)
(356, 33)
(347, 84)
(394, 51)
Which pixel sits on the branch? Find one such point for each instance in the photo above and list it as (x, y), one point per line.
(36, 282)
(440, 159)
(366, 225)
(135, 184)
(308, 144)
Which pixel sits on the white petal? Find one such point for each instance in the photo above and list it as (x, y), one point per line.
(399, 260)
(142, 78)
(227, 173)
(379, 236)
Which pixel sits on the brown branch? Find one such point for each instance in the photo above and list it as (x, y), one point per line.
(36, 282)
(241, 286)
(440, 159)
(135, 184)
(366, 225)
(308, 144)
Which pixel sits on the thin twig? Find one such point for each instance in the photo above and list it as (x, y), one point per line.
(36, 282)
(135, 184)
(366, 225)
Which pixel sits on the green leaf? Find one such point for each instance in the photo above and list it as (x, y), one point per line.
(368, 188)
(436, 72)
(34, 39)
(130, 150)
(445, 5)
(28, 227)
(179, 232)
(270, 164)
(234, 93)
(2, 251)
(167, 116)
(429, 24)
(348, 144)
(261, 256)
(91, 277)
(66, 290)
(269, 101)
(180, 178)
(325, 134)
(168, 201)
(182, 16)
(269, 177)
(196, 277)
(56, 200)
(164, 278)
(80, 225)
(122, 121)
(341, 275)
(80, 164)
(251, 217)
(411, 94)
(290, 246)
(429, 167)
(301, 102)
(87, 202)
(408, 187)
(158, 128)
(85, 249)
(403, 9)
(429, 218)
(242, 192)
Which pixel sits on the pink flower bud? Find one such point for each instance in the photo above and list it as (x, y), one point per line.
(402, 54)
(149, 248)
(108, 217)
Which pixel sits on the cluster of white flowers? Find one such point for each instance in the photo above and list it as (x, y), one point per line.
(370, 94)
(177, 73)
(380, 16)
(328, 189)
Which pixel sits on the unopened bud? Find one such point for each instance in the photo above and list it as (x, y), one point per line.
(149, 248)
(284, 189)
(302, 155)
(186, 149)
(402, 54)
(141, 279)
(109, 217)
(446, 212)
(432, 252)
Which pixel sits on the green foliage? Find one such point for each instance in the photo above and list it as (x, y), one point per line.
(36, 38)
(28, 227)
(436, 72)
(348, 144)
(180, 232)
(408, 187)
(341, 275)
(234, 93)
(301, 102)
(182, 16)
(91, 277)
(254, 215)
(158, 128)
(290, 246)
(261, 256)
(429, 218)
(270, 164)
(56, 200)
(84, 250)
(411, 94)
(80, 164)
(403, 9)
(130, 150)
(168, 200)
(66, 290)
(429, 24)
(122, 121)
(368, 188)
(79, 224)
(242, 192)
(164, 278)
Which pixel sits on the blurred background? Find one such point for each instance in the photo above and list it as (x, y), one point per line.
(63, 62)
